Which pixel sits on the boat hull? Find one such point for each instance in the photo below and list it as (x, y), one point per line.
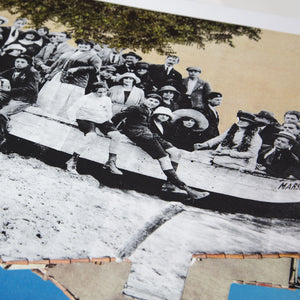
(195, 168)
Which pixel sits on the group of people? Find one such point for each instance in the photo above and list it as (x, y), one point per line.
(103, 88)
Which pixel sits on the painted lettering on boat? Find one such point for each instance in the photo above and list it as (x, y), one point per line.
(289, 186)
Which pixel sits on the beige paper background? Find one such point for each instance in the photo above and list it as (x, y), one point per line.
(253, 76)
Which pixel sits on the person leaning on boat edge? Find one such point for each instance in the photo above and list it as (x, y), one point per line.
(137, 128)
(278, 160)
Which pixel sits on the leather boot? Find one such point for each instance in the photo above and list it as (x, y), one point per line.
(110, 165)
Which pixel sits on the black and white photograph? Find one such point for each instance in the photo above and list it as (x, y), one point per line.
(145, 136)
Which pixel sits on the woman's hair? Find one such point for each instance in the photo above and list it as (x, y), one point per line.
(247, 138)
(180, 122)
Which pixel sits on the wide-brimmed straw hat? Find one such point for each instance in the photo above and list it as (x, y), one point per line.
(15, 47)
(161, 110)
(193, 114)
(128, 74)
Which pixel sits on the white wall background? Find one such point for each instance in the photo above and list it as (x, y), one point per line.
(276, 15)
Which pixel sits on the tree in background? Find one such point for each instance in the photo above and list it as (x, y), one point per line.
(127, 27)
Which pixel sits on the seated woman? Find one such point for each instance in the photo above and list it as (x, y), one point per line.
(187, 129)
(126, 93)
(278, 160)
(237, 147)
(137, 128)
(96, 112)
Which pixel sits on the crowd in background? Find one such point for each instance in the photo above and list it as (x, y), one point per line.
(105, 88)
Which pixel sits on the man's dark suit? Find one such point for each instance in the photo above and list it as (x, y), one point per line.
(213, 120)
(159, 75)
(200, 90)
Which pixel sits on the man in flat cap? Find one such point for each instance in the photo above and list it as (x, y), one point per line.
(196, 89)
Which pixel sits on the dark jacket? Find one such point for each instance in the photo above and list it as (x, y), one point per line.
(182, 137)
(279, 163)
(200, 90)
(160, 77)
(137, 120)
(25, 86)
(213, 123)
(87, 64)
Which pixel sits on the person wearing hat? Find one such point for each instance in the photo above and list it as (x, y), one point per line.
(196, 89)
(142, 71)
(162, 73)
(212, 100)
(126, 93)
(29, 40)
(69, 78)
(160, 121)
(10, 34)
(169, 94)
(237, 147)
(131, 59)
(8, 56)
(187, 129)
(24, 86)
(269, 128)
(95, 111)
(278, 160)
(137, 128)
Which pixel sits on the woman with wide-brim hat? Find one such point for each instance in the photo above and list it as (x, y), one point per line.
(69, 77)
(238, 146)
(126, 93)
(187, 128)
(169, 94)
(29, 40)
(8, 56)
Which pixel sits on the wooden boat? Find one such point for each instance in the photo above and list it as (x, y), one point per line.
(195, 168)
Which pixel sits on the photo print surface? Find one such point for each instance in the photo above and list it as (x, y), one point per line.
(145, 136)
